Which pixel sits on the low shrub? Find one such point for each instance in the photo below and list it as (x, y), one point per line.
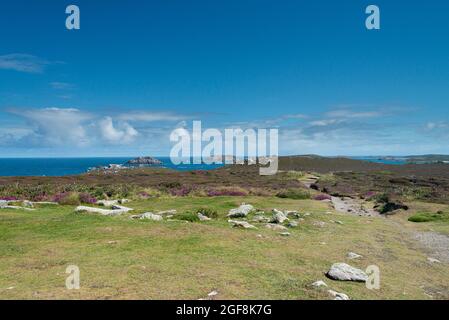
(87, 198)
(187, 216)
(322, 196)
(67, 198)
(429, 216)
(298, 194)
(9, 198)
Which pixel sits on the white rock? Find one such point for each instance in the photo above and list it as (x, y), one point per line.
(320, 224)
(212, 294)
(260, 218)
(27, 203)
(16, 208)
(167, 212)
(104, 212)
(241, 211)
(123, 208)
(292, 224)
(278, 216)
(352, 255)
(433, 260)
(285, 234)
(338, 295)
(293, 214)
(345, 272)
(202, 217)
(107, 203)
(241, 224)
(46, 203)
(275, 227)
(319, 283)
(148, 215)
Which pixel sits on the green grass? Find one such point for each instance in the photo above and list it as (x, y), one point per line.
(121, 258)
(429, 216)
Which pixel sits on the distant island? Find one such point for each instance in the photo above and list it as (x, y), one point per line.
(419, 159)
(143, 161)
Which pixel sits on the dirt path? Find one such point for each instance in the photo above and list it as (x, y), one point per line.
(353, 206)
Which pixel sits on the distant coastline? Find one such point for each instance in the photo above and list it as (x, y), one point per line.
(10, 167)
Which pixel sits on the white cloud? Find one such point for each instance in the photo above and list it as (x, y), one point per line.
(56, 126)
(351, 114)
(125, 133)
(150, 116)
(23, 63)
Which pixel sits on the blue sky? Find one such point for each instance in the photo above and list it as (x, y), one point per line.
(138, 69)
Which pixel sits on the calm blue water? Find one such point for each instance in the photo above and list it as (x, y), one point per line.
(398, 161)
(70, 166)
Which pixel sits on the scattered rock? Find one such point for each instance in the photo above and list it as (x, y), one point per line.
(338, 295)
(124, 209)
(275, 227)
(433, 260)
(320, 224)
(285, 234)
(307, 214)
(112, 242)
(212, 294)
(345, 272)
(16, 208)
(319, 283)
(148, 215)
(261, 219)
(27, 203)
(241, 211)
(292, 224)
(352, 255)
(46, 203)
(107, 203)
(103, 212)
(167, 212)
(292, 213)
(241, 224)
(202, 217)
(278, 216)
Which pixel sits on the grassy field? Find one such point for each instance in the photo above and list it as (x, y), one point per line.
(121, 258)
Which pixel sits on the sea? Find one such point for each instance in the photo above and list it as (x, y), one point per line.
(71, 166)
